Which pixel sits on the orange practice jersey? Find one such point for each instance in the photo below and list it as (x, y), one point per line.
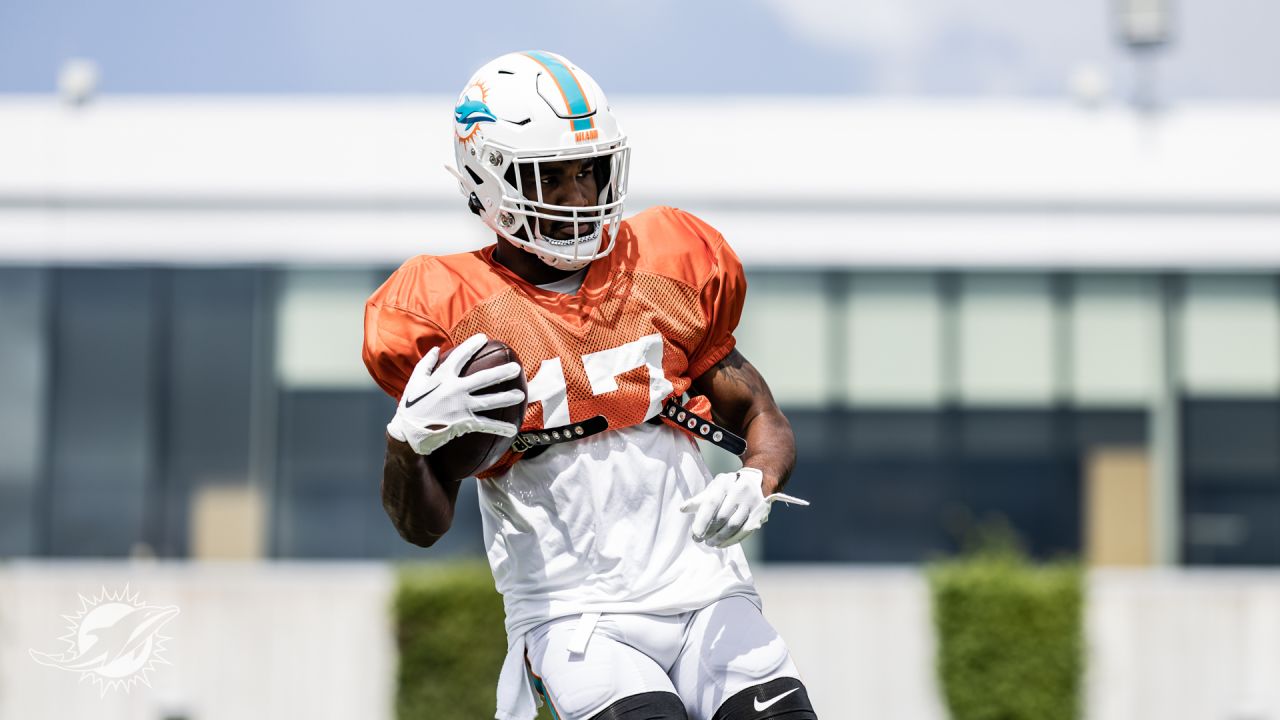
(652, 315)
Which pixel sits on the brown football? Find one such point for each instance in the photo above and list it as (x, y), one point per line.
(473, 453)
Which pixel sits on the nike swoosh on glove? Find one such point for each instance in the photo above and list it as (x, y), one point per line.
(438, 404)
(732, 506)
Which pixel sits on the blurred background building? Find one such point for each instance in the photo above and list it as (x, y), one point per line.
(1068, 318)
(984, 282)
(1009, 260)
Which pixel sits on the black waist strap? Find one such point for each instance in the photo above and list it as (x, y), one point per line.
(680, 416)
(534, 442)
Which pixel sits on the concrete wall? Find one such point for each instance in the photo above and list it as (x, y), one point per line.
(1184, 644)
(862, 638)
(250, 641)
(313, 640)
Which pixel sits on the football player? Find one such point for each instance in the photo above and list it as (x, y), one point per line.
(627, 594)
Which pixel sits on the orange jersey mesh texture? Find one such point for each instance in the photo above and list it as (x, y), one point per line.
(638, 304)
(671, 276)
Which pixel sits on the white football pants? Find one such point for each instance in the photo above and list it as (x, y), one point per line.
(583, 664)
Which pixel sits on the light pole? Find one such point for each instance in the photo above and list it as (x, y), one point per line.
(78, 81)
(1145, 26)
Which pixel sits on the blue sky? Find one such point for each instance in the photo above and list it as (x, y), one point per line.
(1224, 48)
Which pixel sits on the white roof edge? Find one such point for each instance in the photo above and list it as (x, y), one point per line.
(878, 183)
(784, 148)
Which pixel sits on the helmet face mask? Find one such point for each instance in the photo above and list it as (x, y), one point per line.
(519, 120)
(530, 211)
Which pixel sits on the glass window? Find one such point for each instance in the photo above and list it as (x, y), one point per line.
(1007, 328)
(894, 342)
(329, 498)
(785, 332)
(320, 329)
(1231, 442)
(213, 368)
(1230, 338)
(104, 406)
(1232, 526)
(1115, 347)
(905, 485)
(24, 357)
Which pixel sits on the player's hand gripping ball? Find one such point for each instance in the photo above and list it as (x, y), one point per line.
(462, 407)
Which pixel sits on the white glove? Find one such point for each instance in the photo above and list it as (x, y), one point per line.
(438, 405)
(732, 507)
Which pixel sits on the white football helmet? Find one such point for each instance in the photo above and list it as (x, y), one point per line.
(526, 109)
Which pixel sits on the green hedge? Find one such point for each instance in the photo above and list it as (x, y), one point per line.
(449, 630)
(1010, 641)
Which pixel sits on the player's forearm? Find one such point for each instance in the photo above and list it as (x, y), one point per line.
(741, 401)
(419, 505)
(771, 447)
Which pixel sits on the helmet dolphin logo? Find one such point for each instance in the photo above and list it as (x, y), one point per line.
(469, 112)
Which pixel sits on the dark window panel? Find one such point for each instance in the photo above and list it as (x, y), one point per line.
(1231, 526)
(1039, 497)
(104, 421)
(1231, 490)
(211, 359)
(18, 517)
(908, 486)
(896, 433)
(105, 522)
(1111, 428)
(885, 511)
(1009, 433)
(1235, 442)
(816, 431)
(24, 357)
(332, 444)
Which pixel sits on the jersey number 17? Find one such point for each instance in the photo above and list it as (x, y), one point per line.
(602, 368)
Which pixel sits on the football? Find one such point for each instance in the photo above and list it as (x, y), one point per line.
(476, 452)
